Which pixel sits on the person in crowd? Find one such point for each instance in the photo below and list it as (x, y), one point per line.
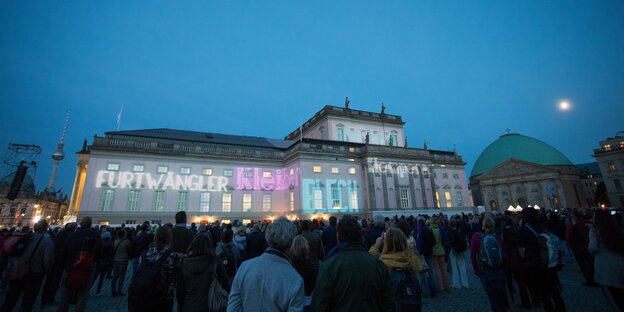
(181, 236)
(377, 229)
(439, 252)
(350, 279)
(396, 255)
(282, 287)
(486, 254)
(53, 279)
(458, 246)
(329, 235)
(231, 256)
(122, 251)
(579, 239)
(606, 242)
(105, 261)
(159, 254)
(424, 243)
(140, 243)
(240, 239)
(84, 239)
(541, 280)
(196, 274)
(256, 243)
(317, 252)
(300, 254)
(515, 262)
(39, 254)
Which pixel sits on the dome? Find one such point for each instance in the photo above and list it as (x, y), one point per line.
(519, 147)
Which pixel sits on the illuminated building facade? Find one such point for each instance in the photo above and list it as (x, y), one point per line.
(610, 158)
(341, 161)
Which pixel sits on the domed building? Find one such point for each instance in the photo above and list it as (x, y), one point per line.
(520, 170)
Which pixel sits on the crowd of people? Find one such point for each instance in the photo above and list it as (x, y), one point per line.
(351, 264)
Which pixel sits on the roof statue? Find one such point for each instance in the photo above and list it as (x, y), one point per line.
(405, 145)
(366, 138)
(347, 102)
(383, 108)
(426, 145)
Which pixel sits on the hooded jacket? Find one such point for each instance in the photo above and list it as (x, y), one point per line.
(398, 260)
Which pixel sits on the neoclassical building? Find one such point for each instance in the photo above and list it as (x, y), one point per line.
(520, 170)
(610, 158)
(340, 161)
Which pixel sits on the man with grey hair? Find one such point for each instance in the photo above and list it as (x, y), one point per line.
(378, 228)
(269, 282)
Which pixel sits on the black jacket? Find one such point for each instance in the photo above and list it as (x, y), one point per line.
(83, 239)
(181, 238)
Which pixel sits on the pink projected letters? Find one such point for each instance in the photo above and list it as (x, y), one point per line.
(278, 180)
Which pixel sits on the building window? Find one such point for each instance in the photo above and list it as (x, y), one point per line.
(353, 198)
(393, 140)
(340, 133)
(449, 201)
(185, 170)
(335, 194)
(130, 221)
(138, 168)
(455, 176)
(247, 202)
(318, 198)
(351, 170)
(267, 174)
(438, 198)
(612, 167)
(351, 159)
(335, 170)
(159, 200)
(607, 147)
(291, 171)
(248, 174)
(266, 202)
(207, 171)
(292, 201)
(134, 197)
(405, 200)
(162, 169)
(460, 199)
(226, 202)
(445, 175)
(426, 174)
(112, 167)
(351, 149)
(182, 201)
(227, 172)
(204, 202)
(617, 184)
(106, 199)
(317, 169)
(621, 144)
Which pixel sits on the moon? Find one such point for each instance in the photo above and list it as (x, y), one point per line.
(564, 105)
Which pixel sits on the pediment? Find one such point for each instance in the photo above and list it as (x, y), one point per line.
(513, 168)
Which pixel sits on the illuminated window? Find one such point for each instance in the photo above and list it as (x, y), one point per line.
(438, 199)
(351, 159)
(227, 172)
(106, 199)
(247, 202)
(292, 201)
(353, 198)
(607, 147)
(445, 175)
(267, 174)
(163, 169)
(318, 199)
(266, 202)
(138, 168)
(317, 169)
(112, 167)
(204, 201)
(621, 144)
(460, 199)
(207, 171)
(248, 174)
(335, 193)
(292, 171)
(351, 149)
(449, 202)
(612, 167)
(405, 200)
(340, 134)
(182, 201)
(185, 170)
(159, 200)
(351, 170)
(226, 202)
(335, 170)
(134, 197)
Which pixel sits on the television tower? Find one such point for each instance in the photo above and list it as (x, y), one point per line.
(58, 155)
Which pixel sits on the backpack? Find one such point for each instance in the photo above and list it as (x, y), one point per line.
(14, 245)
(407, 289)
(490, 252)
(228, 258)
(549, 249)
(80, 273)
(147, 281)
(458, 241)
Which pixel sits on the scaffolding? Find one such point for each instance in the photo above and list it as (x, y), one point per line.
(17, 153)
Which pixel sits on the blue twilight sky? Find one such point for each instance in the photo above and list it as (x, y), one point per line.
(459, 72)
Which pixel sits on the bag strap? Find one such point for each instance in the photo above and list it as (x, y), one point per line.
(116, 247)
(214, 272)
(36, 246)
(532, 230)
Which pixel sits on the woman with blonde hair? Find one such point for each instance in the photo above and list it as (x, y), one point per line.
(404, 266)
(300, 255)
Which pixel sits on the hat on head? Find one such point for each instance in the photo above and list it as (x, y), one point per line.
(106, 235)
